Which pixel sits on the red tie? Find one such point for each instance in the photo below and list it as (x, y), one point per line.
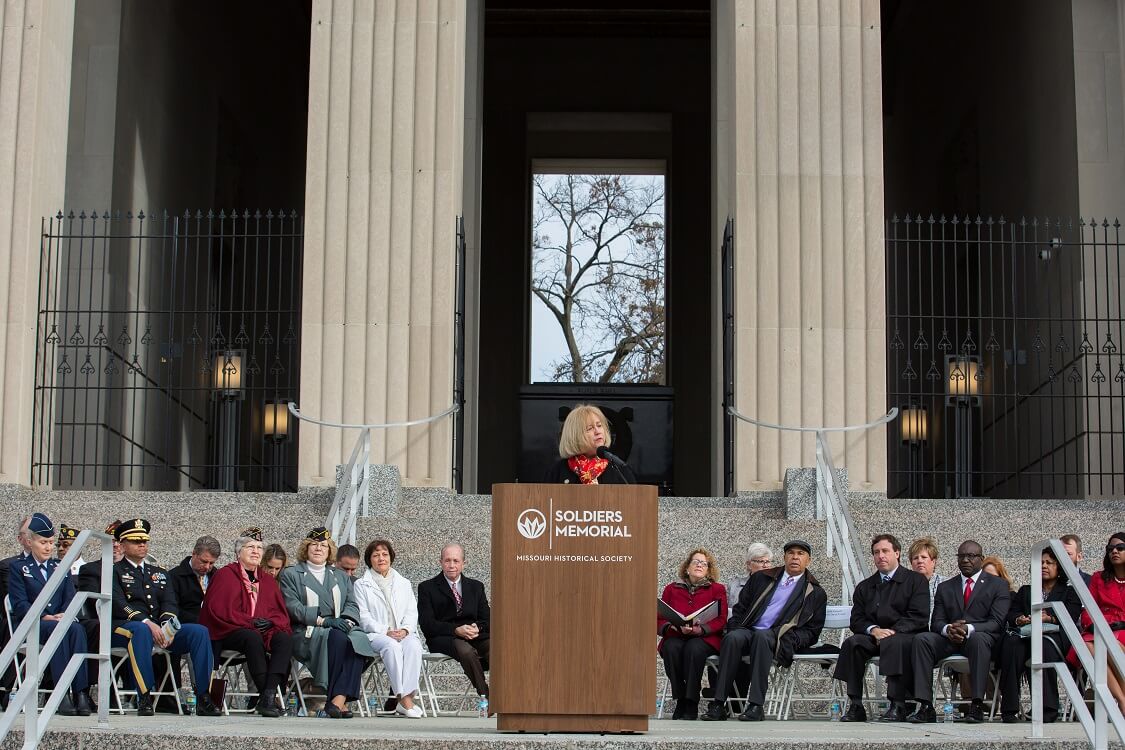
(968, 590)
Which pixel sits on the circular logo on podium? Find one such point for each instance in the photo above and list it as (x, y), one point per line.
(531, 523)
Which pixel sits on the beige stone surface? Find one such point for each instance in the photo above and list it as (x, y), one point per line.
(798, 164)
(35, 68)
(384, 189)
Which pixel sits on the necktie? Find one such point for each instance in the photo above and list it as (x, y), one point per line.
(203, 583)
(456, 596)
(43, 570)
(968, 590)
(788, 582)
(886, 578)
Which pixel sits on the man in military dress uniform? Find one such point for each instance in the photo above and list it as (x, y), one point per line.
(27, 577)
(143, 601)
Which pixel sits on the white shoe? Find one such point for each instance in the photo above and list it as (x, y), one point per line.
(414, 712)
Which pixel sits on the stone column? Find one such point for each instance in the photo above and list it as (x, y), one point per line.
(35, 57)
(799, 166)
(384, 184)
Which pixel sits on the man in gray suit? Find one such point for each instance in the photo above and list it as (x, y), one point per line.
(969, 612)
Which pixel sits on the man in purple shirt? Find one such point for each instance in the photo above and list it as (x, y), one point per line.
(780, 611)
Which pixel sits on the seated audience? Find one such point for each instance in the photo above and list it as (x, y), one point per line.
(27, 577)
(193, 575)
(969, 613)
(1015, 646)
(994, 566)
(324, 615)
(923, 554)
(1073, 545)
(779, 612)
(8, 680)
(347, 559)
(888, 608)
(1107, 587)
(388, 614)
(454, 616)
(245, 612)
(144, 608)
(67, 536)
(758, 557)
(685, 648)
(274, 560)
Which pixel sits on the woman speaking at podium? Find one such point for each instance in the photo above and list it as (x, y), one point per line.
(584, 451)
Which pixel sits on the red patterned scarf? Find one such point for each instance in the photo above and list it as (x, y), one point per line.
(588, 469)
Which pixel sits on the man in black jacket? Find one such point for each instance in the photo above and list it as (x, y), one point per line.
(8, 680)
(779, 612)
(888, 608)
(454, 615)
(192, 576)
(969, 612)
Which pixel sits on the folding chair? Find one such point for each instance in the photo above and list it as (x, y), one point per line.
(121, 654)
(232, 668)
(824, 655)
(959, 665)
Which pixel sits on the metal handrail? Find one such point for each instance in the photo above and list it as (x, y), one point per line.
(830, 502)
(352, 497)
(38, 657)
(1096, 665)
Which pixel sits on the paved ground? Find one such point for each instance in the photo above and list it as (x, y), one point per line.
(192, 733)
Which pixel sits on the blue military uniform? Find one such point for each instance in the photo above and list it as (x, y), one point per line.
(144, 592)
(26, 580)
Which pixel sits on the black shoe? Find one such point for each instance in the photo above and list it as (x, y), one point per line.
(332, 711)
(855, 712)
(975, 713)
(82, 703)
(144, 705)
(686, 709)
(4, 696)
(716, 711)
(204, 706)
(66, 707)
(268, 708)
(1010, 718)
(924, 715)
(894, 712)
(753, 712)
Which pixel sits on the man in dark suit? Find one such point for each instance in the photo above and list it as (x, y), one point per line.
(193, 575)
(27, 577)
(888, 608)
(454, 615)
(969, 612)
(780, 611)
(9, 677)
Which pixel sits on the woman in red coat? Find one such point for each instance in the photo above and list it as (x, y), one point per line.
(245, 612)
(685, 648)
(1107, 586)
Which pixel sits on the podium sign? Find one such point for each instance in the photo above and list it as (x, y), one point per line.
(573, 626)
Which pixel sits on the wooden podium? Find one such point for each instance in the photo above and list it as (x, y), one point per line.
(573, 614)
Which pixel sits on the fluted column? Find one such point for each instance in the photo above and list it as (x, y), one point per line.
(35, 54)
(800, 168)
(383, 189)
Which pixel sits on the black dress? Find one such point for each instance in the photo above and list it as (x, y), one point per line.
(560, 473)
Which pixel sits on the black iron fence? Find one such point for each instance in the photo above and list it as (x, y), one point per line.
(1005, 355)
(167, 350)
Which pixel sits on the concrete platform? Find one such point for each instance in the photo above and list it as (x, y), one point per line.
(238, 733)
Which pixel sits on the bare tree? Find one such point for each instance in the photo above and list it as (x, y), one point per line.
(603, 277)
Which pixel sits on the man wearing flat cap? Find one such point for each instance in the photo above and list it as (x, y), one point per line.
(780, 611)
(27, 577)
(144, 609)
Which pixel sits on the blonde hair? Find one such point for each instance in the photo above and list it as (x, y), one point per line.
(303, 551)
(712, 565)
(1001, 571)
(573, 440)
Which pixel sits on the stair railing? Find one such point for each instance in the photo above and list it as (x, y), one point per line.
(831, 502)
(38, 656)
(354, 488)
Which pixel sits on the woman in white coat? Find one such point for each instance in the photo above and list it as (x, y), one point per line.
(388, 614)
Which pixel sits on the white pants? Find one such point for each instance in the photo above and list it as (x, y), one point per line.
(402, 660)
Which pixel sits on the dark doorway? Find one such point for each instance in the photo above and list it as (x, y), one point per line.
(606, 82)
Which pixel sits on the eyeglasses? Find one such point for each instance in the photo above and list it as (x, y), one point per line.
(699, 562)
(1115, 548)
(968, 556)
(761, 561)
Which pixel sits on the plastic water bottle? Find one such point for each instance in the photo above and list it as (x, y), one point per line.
(482, 707)
(189, 700)
(660, 706)
(947, 712)
(291, 702)
(373, 704)
(834, 711)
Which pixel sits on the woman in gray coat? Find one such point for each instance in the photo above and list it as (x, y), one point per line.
(324, 613)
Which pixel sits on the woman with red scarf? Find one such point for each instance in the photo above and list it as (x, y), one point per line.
(584, 431)
(245, 612)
